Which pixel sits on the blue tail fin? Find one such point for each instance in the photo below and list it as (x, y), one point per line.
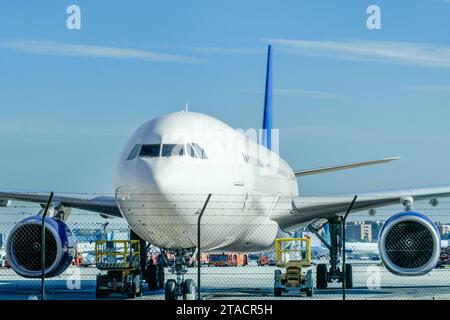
(267, 117)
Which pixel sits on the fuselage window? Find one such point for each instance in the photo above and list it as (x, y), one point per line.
(200, 152)
(170, 150)
(150, 150)
(134, 152)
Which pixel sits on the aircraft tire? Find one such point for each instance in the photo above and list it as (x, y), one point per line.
(277, 292)
(322, 276)
(132, 291)
(348, 276)
(189, 289)
(170, 290)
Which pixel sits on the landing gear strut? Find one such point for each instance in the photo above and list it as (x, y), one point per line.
(180, 288)
(334, 274)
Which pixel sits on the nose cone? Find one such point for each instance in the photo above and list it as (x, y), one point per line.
(148, 188)
(156, 174)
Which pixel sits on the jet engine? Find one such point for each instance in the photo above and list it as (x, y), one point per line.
(23, 247)
(409, 244)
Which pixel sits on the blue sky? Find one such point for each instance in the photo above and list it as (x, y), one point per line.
(69, 99)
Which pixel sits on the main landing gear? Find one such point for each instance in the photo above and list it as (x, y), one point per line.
(180, 288)
(334, 274)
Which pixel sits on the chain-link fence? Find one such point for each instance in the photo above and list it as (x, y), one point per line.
(251, 275)
(237, 252)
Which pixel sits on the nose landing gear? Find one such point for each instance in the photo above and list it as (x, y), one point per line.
(180, 287)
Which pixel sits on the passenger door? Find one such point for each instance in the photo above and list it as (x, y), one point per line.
(238, 174)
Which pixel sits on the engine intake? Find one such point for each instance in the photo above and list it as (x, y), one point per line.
(23, 247)
(409, 244)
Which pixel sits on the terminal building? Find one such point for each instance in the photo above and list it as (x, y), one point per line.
(359, 231)
(444, 230)
(367, 231)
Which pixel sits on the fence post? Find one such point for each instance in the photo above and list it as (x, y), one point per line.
(198, 245)
(43, 246)
(344, 267)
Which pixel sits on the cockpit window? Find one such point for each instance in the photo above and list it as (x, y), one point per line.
(200, 152)
(190, 151)
(195, 151)
(167, 150)
(171, 150)
(134, 152)
(150, 150)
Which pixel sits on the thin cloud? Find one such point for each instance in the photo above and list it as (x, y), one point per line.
(313, 94)
(430, 88)
(302, 93)
(225, 51)
(50, 128)
(403, 53)
(90, 51)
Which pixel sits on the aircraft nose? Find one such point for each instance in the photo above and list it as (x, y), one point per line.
(156, 175)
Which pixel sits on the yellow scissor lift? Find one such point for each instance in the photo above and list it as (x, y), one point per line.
(294, 256)
(121, 261)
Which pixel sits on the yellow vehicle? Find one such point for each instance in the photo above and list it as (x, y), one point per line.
(121, 261)
(294, 256)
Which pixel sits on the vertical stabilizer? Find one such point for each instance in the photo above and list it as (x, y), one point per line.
(267, 117)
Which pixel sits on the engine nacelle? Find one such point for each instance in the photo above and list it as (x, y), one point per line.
(23, 247)
(409, 244)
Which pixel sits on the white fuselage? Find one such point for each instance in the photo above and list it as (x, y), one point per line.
(162, 184)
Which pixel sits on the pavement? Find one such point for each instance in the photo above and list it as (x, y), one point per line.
(371, 281)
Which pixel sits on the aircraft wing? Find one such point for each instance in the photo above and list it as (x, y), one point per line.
(293, 212)
(343, 167)
(101, 204)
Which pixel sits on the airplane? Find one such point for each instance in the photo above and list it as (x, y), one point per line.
(174, 163)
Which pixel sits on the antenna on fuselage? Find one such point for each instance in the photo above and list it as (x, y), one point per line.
(186, 108)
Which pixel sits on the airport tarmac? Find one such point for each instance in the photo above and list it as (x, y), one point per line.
(370, 282)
